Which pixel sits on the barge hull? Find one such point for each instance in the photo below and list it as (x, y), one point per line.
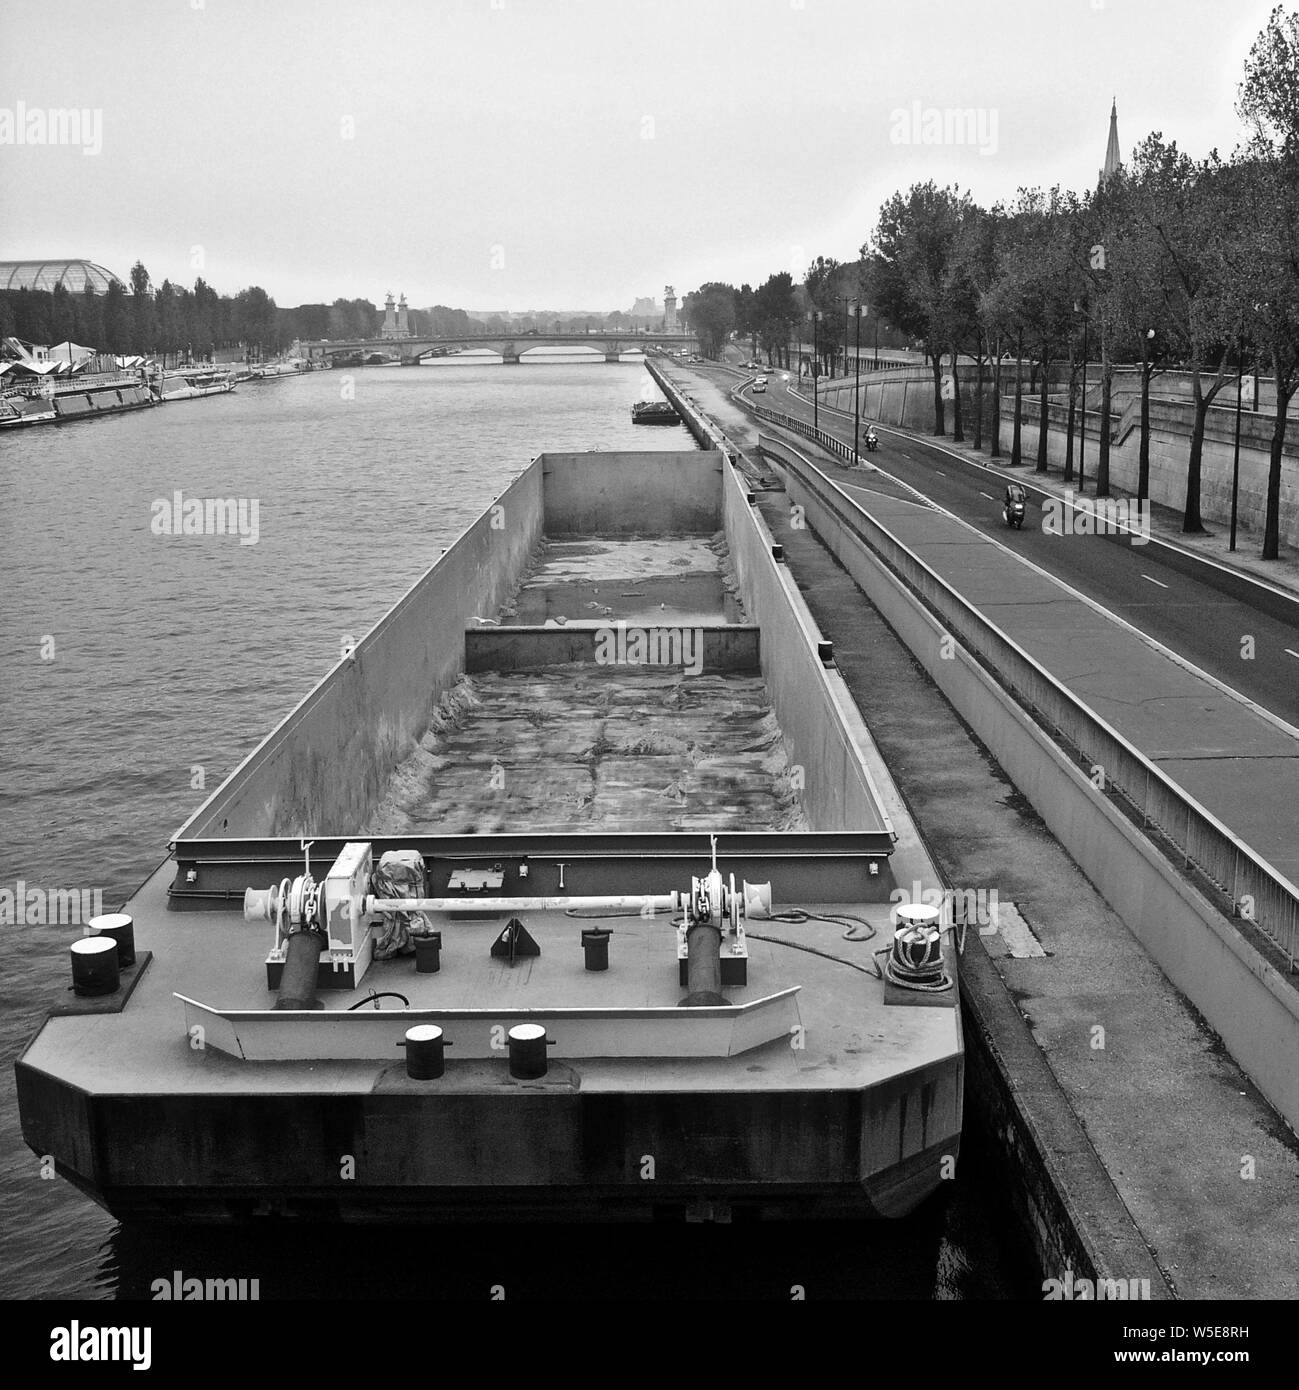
(531, 1151)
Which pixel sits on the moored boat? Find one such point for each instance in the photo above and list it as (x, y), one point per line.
(573, 890)
(186, 383)
(655, 413)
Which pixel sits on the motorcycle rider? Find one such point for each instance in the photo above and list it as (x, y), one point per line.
(871, 440)
(1016, 500)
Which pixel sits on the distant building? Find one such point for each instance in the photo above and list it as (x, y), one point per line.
(74, 276)
(1112, 161)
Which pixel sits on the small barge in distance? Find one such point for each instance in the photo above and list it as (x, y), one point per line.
(598, 770)
(654, 413)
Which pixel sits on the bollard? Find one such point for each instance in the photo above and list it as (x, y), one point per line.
(428, 960)
(94, 965)
(425, 1059)
(121, 929)
(528, 1043)
(595, 942)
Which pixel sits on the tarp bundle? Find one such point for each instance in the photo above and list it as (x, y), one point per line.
(400, 874)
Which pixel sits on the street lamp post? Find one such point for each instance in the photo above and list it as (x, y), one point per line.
(1082, 433)
(857, 307)
(1143, 456)
(1235, 457)
(816, 368)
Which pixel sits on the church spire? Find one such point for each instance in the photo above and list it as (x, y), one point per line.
(1112, 148)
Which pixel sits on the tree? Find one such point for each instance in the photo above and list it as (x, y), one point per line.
(1269, 183)
(975, 263)
(117, 319)
(143, 321)
(710, 311)
(777, 310)
(1185, 206)
(910, 262)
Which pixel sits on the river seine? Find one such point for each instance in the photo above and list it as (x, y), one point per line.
(139, 667)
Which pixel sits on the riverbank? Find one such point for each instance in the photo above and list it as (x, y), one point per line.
(1129, 1154)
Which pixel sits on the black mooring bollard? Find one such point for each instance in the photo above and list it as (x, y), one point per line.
(528, 1043)
(425, 1059)
(595, 942)
(94, 965)
(121, 929)
(428, 959)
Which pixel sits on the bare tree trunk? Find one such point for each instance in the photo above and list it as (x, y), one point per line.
(996, 399)
(1107, 389)
(939, 419)
(1069, 425)
(1042, 424)
(978, 393)
(958, 434)
(1016, 458)
(1285, 388)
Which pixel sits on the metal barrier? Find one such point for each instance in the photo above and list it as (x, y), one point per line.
(1258, 893)
(821, 437)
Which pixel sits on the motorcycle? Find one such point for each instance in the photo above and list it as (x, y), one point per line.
(871, 441)
(1012, 511)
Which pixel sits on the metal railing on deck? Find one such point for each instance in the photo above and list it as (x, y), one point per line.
(1257, 892)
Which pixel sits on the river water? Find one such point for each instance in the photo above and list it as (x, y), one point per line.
(139, 668)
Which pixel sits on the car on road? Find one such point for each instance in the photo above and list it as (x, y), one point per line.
(760, 384)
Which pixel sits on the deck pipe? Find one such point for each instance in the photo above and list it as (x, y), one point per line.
(703, 967)
(653, 902)
(301, 964)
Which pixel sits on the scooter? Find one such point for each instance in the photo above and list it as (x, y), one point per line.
(1013, 514)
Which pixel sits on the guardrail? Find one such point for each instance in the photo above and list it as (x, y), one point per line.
(789, 422)
(1257, 892)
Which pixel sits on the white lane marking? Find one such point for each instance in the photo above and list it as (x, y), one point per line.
(1154, 581)
(1292, 653)
(941, 474)
(988, 495)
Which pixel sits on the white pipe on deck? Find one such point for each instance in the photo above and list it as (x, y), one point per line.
(654, 902)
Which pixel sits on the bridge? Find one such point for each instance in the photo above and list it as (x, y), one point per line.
(510, 347)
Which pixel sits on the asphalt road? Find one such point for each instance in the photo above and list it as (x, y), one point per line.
(1196, 618)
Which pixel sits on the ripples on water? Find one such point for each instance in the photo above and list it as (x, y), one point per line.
(177, 653)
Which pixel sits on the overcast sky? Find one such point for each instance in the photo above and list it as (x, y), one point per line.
(525, 154)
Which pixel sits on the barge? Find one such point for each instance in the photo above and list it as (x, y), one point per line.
(188, 383)
(574, 891)
(655, 413)
(73, 398)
